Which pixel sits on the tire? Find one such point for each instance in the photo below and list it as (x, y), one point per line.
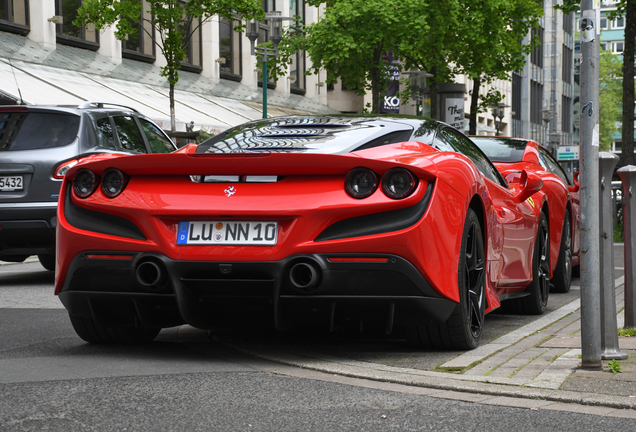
(463, 329)
(47, 261)
(87, 329)
(539, 289)
(563, 273)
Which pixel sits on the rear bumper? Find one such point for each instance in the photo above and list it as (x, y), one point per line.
(384, 289)
(27, 230)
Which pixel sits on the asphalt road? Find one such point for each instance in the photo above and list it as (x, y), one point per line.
(51, 380)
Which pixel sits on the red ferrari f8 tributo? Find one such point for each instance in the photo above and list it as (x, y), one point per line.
(511, 156)
(384, 221)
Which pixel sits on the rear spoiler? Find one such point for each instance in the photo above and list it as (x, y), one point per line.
(187, 162)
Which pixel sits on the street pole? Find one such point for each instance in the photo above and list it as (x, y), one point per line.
(276, 36)
(628, 176)
(265, 84)
(610, 349)
(589, 192)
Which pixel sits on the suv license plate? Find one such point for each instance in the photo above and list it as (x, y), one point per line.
(11, 183)
(256, 233)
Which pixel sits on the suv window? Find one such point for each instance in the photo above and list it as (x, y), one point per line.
(129, 134)
(105, 134)
(33, 130)
(159, 143)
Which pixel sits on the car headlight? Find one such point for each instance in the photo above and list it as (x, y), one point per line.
(85, 183)
(398, 183)
(361, 182)
(113, 182)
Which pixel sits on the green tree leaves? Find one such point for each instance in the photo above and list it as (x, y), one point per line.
(480, 38)
(174, 22)
(610, 96)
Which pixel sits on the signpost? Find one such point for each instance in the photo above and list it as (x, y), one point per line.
(567, 153)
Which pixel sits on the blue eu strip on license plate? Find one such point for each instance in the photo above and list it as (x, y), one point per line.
(227, 233)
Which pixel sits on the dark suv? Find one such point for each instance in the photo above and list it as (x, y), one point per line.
(38, 145)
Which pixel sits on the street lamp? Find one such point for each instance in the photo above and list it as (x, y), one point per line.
(417, 84)
(275, 36)
(498, 113)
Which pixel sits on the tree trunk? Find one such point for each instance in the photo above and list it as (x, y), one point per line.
(433, 88)
(474, 102)
(375, 81)
(627, 152)
(173, 121)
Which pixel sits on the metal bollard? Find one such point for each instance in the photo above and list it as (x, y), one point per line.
(628, 176)
(609, 327)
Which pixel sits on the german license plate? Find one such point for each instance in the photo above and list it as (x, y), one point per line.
(227, 233)
(11, 183)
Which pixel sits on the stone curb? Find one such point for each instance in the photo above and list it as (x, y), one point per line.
(432, 380)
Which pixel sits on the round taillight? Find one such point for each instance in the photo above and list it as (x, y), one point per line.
(361, 182)
(113, 182)
(398, 183)
(85, 183)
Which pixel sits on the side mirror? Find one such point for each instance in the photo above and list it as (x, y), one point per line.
(529, 184)
(577, 185)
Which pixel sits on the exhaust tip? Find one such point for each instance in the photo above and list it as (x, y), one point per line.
(304, 276)
(150, 274)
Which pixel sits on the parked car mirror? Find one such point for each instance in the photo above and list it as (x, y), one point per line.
(577, 185)
(529, 184)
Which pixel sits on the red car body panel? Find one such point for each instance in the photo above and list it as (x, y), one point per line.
(308, 199)
(559, 196)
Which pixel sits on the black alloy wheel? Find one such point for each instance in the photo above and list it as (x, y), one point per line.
(539, 288)
(563, 272)
(463, 329)
(544, 264)
(474, 278)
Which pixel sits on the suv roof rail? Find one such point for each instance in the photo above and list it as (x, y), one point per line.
(88, 104)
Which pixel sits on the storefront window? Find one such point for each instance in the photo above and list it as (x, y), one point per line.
(297, 67)
(141, 46)
(70, 34)
(230, 50)
(14, 16)
(191, 28)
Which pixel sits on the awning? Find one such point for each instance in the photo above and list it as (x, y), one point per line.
(45, 85)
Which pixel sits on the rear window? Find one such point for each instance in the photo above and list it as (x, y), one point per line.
(502, 149)
(323, 135)
(24, 130)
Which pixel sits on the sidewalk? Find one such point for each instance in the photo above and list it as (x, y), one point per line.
(540, 362)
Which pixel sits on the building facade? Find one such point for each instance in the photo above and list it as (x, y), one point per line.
(539, 99)
(613, 40)
(46, 59)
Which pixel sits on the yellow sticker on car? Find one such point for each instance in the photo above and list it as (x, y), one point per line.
(531, 201)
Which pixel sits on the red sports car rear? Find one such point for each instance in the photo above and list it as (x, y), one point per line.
(321, 220)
